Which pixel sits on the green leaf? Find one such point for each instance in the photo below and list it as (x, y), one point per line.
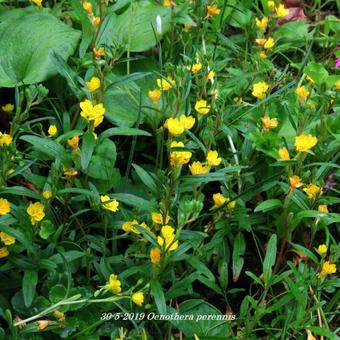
(19, 235)
(146, 178)
(29, 283)
(46, 229)
(103, 160)
(86, 151)
(238, 252)
(202, 268)
(197, 322)
(158, 295)
(270, 258)
(87, 28)
(135, 27)
(46, 146)
(57, 293)
(122, 104)
(268, 205)
(27, 49)
(317, 72)
(20, 191)
(134, 201)
(123, 131)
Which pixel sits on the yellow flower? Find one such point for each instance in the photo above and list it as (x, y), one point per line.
(322, 250)
(92, 113)
(302, 92)
(130, 226)
(295, 182)
(8, 107)
(179, 157)
(112, 206)
(231, 205)
(154, 96)
(37, 2)
(42, 324)
(47, 194)
(219, 200)
(269, 123)
(165, 84)
(262, 54)
(94, 84)
(137, 298)
(155, 255)
(60, 316)
(261, 41)
(195, 68)
(4, 207)
(167, 238)
(74, 143)
(212, 10)
(168, 3)
(310, 336)
(176, 126)
(271, 4)
(187, 27)
(68, 172)
(337, 84)
(114, 285)
(96, 21)
(159, 219)
(52, 130)
(88, 7)
(98, 53)
(7, 239)
(327, 269)
(323, 208)
(303, 143)
(270, 42)
(36, 211)
(3, 252)
(281, 11)
(262, 24)
(197, 168)
(211, 75)
(202, 107)
(312, 191)
(284, 154)
(5, 139)
(9, 172)
(260, 89)
(213, 159)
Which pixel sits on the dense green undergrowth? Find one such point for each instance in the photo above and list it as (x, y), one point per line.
(169, 169)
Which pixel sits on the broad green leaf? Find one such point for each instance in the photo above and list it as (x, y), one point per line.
(86, 151)
(135, 201)
(146, 178)
(270, 258)
(201, 267)
(48, 147)
(268, 205)
(27, 44)
(20, 191)
(158, 295)
(317, 72)
(103, 160)
(135, 28)
(29, 283)
(198, 323)
(46, 229)
(238, 252)
(123, 131)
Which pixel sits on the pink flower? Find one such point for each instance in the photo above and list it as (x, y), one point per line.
(337, 63)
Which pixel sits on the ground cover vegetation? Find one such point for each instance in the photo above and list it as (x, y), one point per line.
(169, 169)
